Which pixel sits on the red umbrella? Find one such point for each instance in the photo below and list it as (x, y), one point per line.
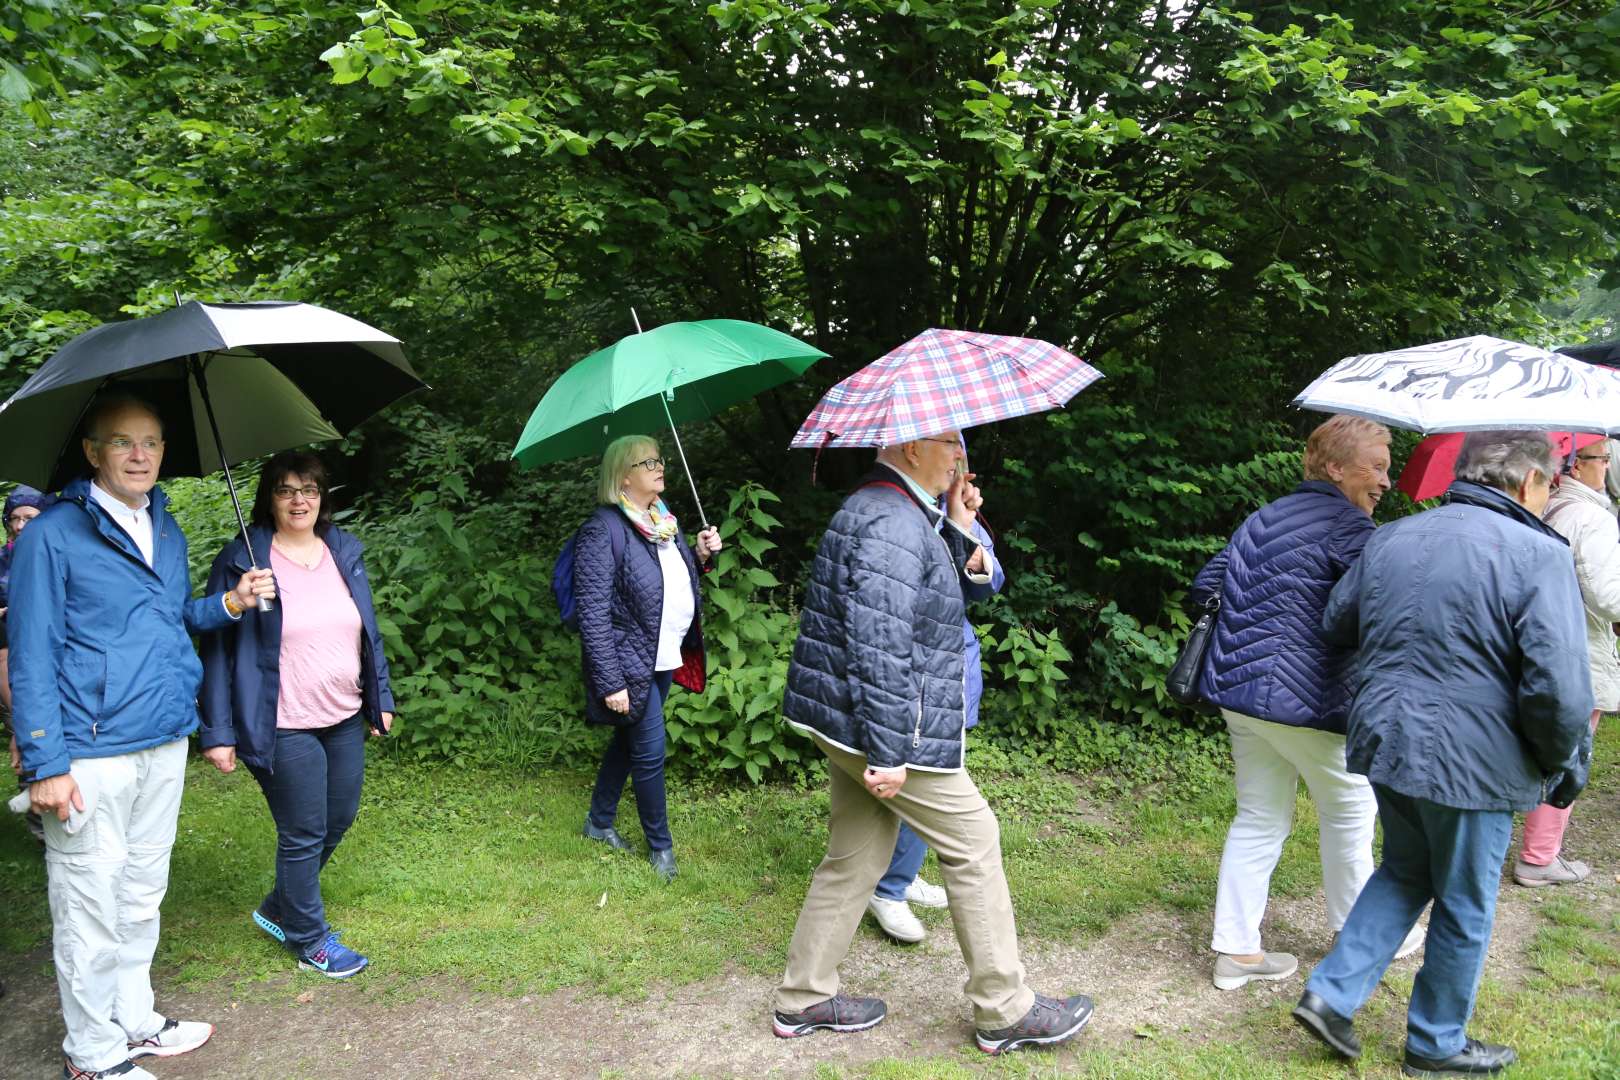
(1433, 465)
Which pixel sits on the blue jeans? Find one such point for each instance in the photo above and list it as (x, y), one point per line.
(909, 853)
(637, 752)
(314, 794)
(1453, 857)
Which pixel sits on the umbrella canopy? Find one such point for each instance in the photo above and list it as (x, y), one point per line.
(277, 375)
(1606, 353)
(1433, 464)
(1469, 384)
(673, 373)
(942, 380)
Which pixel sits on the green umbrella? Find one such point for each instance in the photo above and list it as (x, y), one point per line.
(671, 374)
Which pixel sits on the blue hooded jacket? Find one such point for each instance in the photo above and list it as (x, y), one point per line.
(1472, 687)
(1268, 657)
(101, 663)
(242, 662)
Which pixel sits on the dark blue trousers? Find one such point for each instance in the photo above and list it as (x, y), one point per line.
(637, 753)
(314, 793)
(1431, 852)
(909, 853)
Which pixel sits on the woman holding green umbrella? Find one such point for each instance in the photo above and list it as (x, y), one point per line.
(636, 593)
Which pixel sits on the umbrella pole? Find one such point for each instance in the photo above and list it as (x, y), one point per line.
(702, 517)
(230, 484)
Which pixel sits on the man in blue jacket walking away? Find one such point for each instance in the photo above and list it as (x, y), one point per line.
(1471, 700)
(104, 687)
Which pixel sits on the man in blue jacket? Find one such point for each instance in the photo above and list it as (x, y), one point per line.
(876, 681)
(1472, 698)
(104, 687)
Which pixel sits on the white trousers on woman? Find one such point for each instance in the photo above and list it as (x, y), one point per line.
(107, 880)
(1271, 759)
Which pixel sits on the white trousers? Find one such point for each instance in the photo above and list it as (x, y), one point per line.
(1271, 759)
(106, 882)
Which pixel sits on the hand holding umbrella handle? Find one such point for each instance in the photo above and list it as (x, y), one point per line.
(257, 588)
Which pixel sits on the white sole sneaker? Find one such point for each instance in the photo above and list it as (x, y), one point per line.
(175, 1037)
(1414, 942)
(896, 919)
(1231, 975)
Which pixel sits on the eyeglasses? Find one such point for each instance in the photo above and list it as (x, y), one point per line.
(948, 442)
(120, 445)
(652, 464)
(1594, 457)
(19, 517)
(285, 492)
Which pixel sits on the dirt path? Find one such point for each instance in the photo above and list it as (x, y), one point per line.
(1149, 975)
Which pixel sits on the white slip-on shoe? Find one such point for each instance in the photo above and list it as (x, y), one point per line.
(922, 894)
(174, 1037)
(897, 919)
(1229, 974)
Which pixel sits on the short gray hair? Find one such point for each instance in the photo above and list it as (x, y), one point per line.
(1505, 459)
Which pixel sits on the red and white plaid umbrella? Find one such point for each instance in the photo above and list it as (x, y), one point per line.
(944, 380)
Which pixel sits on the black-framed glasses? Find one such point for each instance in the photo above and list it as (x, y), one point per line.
(652, 464)
(1594, 457)
(948, 442)
(285, 492)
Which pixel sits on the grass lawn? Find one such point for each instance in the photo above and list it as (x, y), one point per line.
(481, 877)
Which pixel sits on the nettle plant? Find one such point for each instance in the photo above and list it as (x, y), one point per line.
(749, 622)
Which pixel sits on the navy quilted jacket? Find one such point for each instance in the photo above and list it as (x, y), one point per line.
(1268, 657)
(619, 612)
(877, 667)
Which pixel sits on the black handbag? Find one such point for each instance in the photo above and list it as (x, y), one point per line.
(1182, 682)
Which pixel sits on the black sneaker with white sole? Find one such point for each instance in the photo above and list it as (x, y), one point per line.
(1048, 1022)
(838, 1013)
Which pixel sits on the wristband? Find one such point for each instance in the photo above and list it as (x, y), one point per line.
(233, 607)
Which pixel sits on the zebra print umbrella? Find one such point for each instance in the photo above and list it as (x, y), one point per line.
(1470, 384)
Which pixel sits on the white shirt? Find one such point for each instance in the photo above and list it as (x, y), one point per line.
(137, 521)
(679, 607)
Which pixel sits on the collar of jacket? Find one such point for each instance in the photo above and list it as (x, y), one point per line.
(1321, 487)
(78, 491)
(888, 474)
(1572, 490)
(1488, 498)
(335, 539)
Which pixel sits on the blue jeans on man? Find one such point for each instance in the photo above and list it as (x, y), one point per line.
(1453, 857)
(637, 753)
(313, 788)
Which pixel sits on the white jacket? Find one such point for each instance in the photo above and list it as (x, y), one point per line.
(1586, 519)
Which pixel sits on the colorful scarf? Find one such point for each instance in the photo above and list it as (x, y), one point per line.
(656, 524)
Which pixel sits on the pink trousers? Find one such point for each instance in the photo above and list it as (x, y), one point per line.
(1544, 828)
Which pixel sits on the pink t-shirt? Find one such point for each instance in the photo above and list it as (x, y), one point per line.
(320, 644)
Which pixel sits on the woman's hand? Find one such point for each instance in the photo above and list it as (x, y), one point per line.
(886, 784)
(708, 542)
(387, 726)
(254, 584)
(618, 702)
(222, 758)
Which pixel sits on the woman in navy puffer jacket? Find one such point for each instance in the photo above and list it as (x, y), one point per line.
(636, 592)
(1284, 691)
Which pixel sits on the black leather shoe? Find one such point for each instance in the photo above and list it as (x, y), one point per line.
(663, 863)
(1474, 1059)
(1336, 1031)
(608, 836)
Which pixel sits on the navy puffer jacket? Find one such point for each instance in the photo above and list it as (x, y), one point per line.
(620, 607)
(1472, 687)
(1268, 657)
(877, 667)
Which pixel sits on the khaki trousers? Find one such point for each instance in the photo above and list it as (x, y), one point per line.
(948, 812)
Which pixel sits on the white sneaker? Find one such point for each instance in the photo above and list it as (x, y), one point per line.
(1413, 942)
(1231, 974)
(124, 1070)
(922, 894)
(896, 919)
(174, 1037)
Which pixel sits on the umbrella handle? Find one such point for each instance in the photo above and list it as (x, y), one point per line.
(702, 517)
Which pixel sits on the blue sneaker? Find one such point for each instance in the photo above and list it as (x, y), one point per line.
(268, 925)
(333, 959)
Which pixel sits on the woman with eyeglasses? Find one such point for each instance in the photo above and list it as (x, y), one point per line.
(1581, 512)
(636, 592)
(292, 693)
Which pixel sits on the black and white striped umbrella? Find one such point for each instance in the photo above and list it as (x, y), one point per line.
(1470, 384)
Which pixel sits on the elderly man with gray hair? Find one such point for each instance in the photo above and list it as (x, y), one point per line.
(1472, 700)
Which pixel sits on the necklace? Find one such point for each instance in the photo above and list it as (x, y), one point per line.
(309, 559)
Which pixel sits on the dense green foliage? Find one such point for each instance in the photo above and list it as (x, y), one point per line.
(1211, 202)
